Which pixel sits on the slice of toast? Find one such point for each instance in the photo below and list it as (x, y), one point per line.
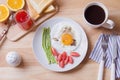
(40, 5)
(34, 14)
(49, 9)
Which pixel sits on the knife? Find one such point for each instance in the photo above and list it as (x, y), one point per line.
(104, 45)
(114, 56)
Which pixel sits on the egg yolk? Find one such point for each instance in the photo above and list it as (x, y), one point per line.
(67, 39)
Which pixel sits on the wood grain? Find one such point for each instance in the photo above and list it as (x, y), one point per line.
(30, 69)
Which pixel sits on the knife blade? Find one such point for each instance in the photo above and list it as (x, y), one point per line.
(114, 56)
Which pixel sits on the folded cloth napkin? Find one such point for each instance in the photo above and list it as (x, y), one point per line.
(96, 54)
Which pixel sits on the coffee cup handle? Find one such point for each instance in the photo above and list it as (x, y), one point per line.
(109, 24)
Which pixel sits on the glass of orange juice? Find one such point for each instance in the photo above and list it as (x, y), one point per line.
(23, 18)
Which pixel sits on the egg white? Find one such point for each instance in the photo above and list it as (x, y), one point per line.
(56, 32)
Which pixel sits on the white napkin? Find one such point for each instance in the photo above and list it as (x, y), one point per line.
(97, 53)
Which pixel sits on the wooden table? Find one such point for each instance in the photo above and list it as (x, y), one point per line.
(30, 69)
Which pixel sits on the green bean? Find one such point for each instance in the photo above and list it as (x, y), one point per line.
(46, 44)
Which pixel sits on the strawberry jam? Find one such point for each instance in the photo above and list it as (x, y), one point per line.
(23, 19)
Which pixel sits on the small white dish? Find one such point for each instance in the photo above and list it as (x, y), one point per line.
(40, 54)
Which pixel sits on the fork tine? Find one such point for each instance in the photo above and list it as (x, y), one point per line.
(105, 38)
(104, 43)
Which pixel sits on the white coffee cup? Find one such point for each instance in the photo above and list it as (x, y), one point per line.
(106, 23)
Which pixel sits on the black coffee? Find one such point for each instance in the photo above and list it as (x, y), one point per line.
(95, 15)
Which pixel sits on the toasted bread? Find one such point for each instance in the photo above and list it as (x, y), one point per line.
(33, 12)
(40, 5)
(49, 9)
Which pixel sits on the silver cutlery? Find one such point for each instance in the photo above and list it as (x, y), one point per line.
(4, 32)
(114, 56)
(104, 45)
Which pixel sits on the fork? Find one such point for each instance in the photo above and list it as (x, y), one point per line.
(104, 45)
(4, 32)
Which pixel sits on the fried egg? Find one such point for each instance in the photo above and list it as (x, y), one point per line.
(65, 37)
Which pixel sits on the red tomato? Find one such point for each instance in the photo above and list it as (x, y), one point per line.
(70, 60)
(74, 54)
(59, 58)
(54, 52)
(64, 55)
(61, 64)
(66, 60)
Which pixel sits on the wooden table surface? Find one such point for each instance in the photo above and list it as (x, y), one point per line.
(30, 69)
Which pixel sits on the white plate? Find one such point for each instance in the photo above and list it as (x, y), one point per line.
(40, 54)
